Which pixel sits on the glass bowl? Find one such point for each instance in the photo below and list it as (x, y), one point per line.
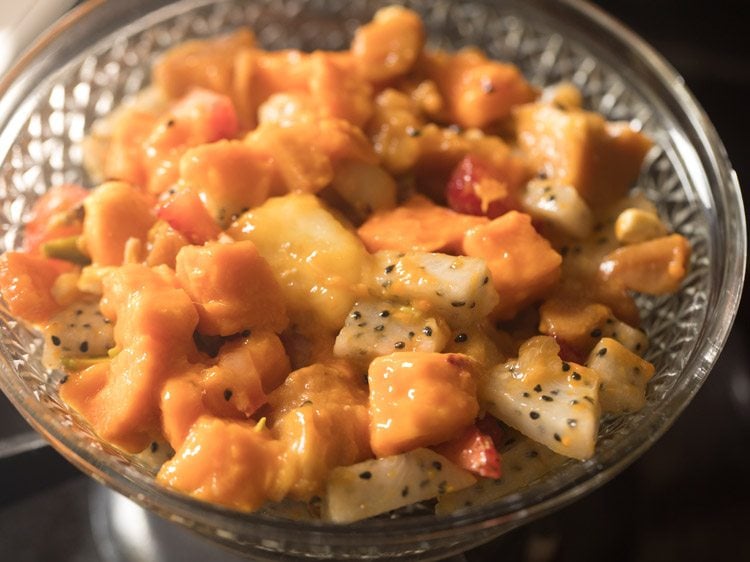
(100, 54)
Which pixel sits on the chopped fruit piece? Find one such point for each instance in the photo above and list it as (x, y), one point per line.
(419, 399)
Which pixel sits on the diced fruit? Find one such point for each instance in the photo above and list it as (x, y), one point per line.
(164, 242)
(201, 63)
(579, 324)
(338, 90)
(507, 243)
(231, 388)
(228, 462)
(381, 485)
(197, 118)
(54, 215)
(320, 414)
(228, 176)
(377, 327)
(26, 283)
(418, 225)
(233, 288)
(389, 45)
(655, 267)
(579, 148)
(319, 437)
(304, 155)
(458, 288)
(185, 212)
(315, 258)
(476, 189)
(523, 462)
(154, 329)
(365, 188)
(419, 399)
(473, 451)
(576, 322)
(477, 342)
(622, 376)
(558, 205)
(79, 331)
(551, 401)
(638, 225)
(478, 91)
(115, 213)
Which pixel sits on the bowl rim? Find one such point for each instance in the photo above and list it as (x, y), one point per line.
(511, 510)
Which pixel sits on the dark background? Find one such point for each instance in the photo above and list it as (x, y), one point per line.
(688, 498)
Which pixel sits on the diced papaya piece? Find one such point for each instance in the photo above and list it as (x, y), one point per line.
(115, 212)
(81, 387)
(318, 438)
(579, 148)
(389, 45)
(201, 63)
(164, 242)
(199, 117)
(269, 358)
(320, 385)
(320, 414)
(230, 463)
(304, 154)
(181, 404)
(572, 321)
(229, 176)
(26, 283)
(125, 157)
(523, 264)
(54, 215)
(233, 288)
(655, 267)
(235, 383)
(441, 151)
(134, 296)
(154, 327)
(232, 388)
(417, 225)
(419, 399)
(478, 91)
(184, 211)
(338, 90)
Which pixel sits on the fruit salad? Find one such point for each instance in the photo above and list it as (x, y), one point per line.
(340, 284)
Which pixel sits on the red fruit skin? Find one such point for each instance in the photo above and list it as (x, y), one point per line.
(569, 353)
(474, 451)
(213, 115)
(461, 190)
(185, 212)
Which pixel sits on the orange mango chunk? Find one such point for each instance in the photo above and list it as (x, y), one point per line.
(227, 462)
(320, 414)
(656, 267)
(154, 331)
(233, 288)
(115, 212)
(478, 91)
(417, 225)
(523, 264)
(418, 399)
(579, 148)
(26, 285)
(229, 176)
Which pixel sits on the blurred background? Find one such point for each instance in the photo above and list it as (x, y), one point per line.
(688, 498)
